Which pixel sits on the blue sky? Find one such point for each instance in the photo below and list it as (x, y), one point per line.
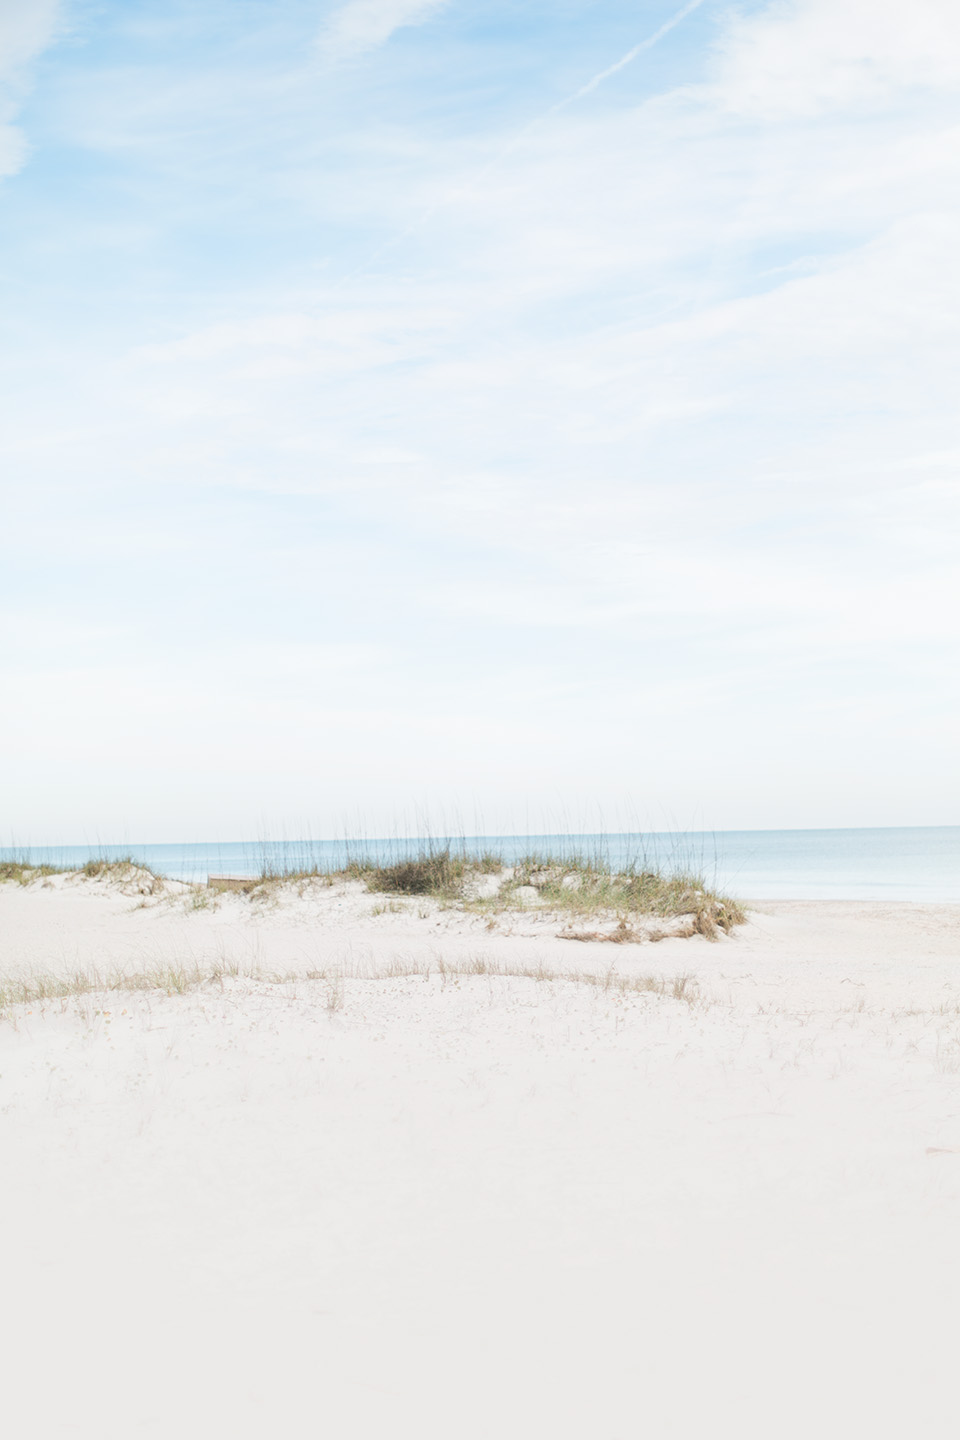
(397, 423)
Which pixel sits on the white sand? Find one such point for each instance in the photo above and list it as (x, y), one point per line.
(479, 1206)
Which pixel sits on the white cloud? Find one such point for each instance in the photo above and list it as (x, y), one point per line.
(25, 30)
(659, 409)
(363, 24)
(809, 57)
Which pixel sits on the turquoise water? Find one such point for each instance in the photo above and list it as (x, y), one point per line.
(916, 863)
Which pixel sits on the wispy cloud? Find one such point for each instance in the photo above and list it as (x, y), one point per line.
(811, 57)
(25, 30)
(364, 24)
(645, 447)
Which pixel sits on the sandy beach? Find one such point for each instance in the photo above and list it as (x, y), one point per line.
(329, 1166)
(479, 618)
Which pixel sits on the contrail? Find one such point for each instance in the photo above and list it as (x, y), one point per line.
(625, 60)
(522, 134)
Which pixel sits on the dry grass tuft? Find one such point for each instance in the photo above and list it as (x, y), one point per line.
(437, 873)
(181, 980)
(124, 873)
(574, 888)
(579, 891)
(588, 890)
(623, 935)
(167, 979)
(23, 873)
(683, 987)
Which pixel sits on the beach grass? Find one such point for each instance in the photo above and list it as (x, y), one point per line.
(21, 872)
(585, 891)
(577, 888)
(122, 872)
(43, 989)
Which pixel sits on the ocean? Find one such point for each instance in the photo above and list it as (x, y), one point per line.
(902, 863)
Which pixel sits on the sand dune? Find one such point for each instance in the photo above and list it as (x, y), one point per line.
(477, 1204)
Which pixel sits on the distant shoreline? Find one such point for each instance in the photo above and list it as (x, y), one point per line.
(913, 863)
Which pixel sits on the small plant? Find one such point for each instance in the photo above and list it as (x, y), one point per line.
(586, 889)
(438, 874)
(23, 873)
(100, 868)
(124, 870)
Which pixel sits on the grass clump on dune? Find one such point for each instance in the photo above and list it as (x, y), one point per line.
(125, 873)
(128, 874)
(584, 889)
(23, 872)
(586, 892)
(574, 888)
(436, 873)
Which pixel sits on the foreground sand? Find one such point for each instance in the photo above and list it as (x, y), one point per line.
(478, 1205)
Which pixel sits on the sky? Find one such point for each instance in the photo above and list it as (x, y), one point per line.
(514, 416)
